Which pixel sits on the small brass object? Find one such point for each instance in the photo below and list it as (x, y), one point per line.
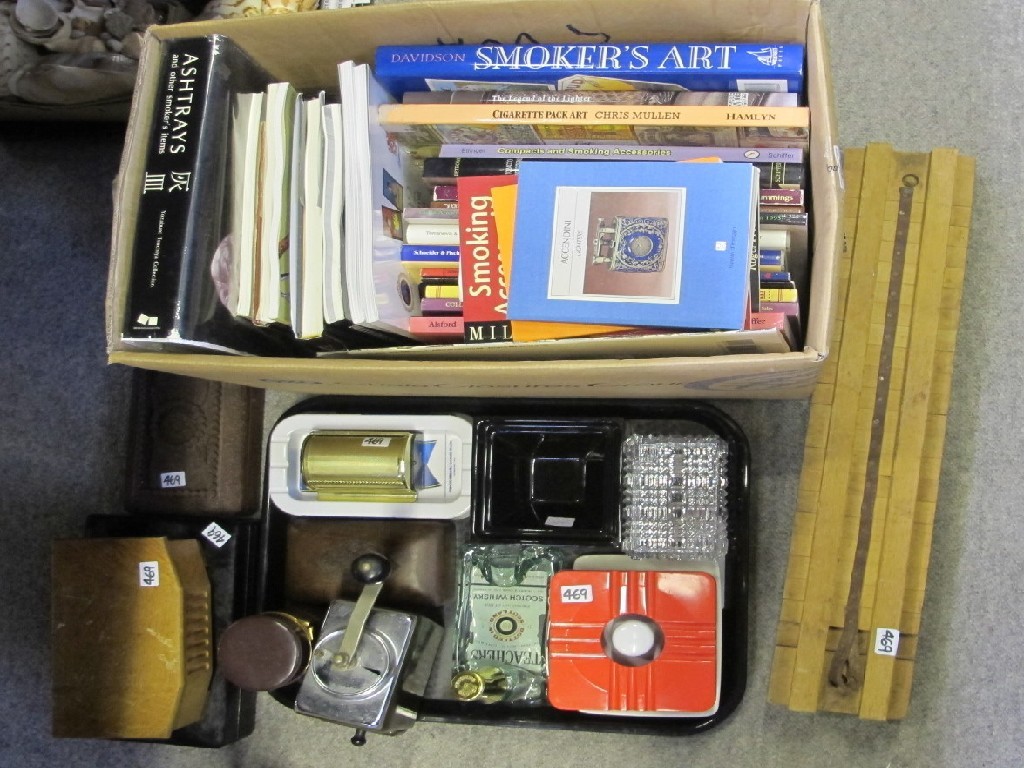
(487, 684)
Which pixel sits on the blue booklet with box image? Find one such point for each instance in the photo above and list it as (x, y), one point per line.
(664, 245)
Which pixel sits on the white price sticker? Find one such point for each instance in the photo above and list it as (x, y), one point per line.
(887, 641)
(582, 593)
(559, 522)
(149, 574)
(172, 479)
(767, 86)
(838, 155)
(376, 441)
(216, 535)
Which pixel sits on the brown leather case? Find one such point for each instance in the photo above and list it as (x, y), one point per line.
(209, 432)
(319, 555)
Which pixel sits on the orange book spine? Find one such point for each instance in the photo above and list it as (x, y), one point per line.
(396, 115)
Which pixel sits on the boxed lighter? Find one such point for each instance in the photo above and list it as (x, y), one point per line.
(356, 465)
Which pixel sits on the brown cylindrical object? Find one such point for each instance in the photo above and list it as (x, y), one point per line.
(265, 651)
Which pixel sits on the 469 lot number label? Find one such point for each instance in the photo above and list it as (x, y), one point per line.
(577, 594)
(887, 641)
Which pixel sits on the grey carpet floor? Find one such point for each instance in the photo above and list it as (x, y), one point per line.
(915, 74)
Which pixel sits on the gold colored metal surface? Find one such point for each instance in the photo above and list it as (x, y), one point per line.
(488, 684)
(347, 465)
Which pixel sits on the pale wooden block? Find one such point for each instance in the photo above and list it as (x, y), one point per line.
(913, 414)
(818, 596)
(781, 680)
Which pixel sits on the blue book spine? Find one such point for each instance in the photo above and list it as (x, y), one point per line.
(430, 253)
(703, 67)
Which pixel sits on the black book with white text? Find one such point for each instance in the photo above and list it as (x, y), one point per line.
(184, 265)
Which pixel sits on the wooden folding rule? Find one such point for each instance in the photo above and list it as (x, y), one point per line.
(858, 563)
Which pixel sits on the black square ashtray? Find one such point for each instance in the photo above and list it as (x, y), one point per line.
(547, 480)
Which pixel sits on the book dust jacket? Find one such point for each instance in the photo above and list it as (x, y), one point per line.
(693, 66)
(183, 257)
(484, 283)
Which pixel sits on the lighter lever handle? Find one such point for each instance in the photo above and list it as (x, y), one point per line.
(371, 570)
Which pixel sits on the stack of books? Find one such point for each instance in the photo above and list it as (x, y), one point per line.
(568, 262)
(486, 194)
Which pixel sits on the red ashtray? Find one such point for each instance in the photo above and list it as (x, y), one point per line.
(634, 642)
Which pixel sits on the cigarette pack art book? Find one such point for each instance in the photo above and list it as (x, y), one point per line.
(655, 244)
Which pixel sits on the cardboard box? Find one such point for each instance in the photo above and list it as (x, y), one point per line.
(305, 49)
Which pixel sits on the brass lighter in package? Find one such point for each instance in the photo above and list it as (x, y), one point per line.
(409, 465)
(347, 465)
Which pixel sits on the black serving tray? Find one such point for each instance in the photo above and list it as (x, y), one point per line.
(532, 412)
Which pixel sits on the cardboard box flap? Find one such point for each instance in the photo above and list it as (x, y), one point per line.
(776, 376)
(315, 46)
(826, 186)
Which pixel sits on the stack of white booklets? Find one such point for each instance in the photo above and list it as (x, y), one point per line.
(312, 250)
(372, 245)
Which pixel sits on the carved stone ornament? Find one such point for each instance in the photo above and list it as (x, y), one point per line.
(67, 52)
(227, 9)
(37, 17)
(15, 53)
(75, 79)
